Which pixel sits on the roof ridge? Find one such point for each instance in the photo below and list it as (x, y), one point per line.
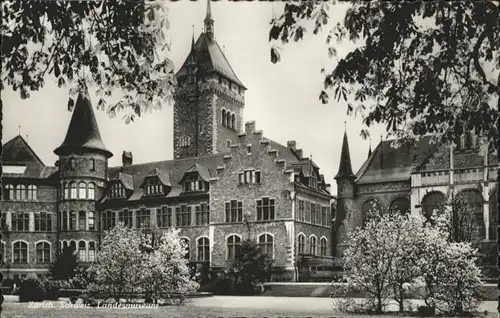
(171, 160)
(27, 145)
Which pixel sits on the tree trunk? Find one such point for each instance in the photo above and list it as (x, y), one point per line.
(401, 298)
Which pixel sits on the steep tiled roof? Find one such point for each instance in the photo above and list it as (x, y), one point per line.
(83, 132)
(345, 167)
(126, 179)
(387, 163)
(174, 168)
(210, 58)
(17, 152)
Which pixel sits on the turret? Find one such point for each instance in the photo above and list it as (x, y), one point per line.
(83, 164)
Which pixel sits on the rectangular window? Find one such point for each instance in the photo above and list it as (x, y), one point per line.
(228, 144)
(318, 214)
(183, 215)
(125, 217)
(108, 220)
(164, 217)
(43, 222)
(234, 211)
(202, 214)
(324, 220)
(153, 186)
(249, 177)
(313, 213)
(20, 222)
(301, 210)
(265, 209)
(142, 219)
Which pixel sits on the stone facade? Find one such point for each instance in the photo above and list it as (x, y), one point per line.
(234, 185)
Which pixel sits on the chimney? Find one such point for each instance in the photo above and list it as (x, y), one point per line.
(126, 158)
(298, 152)
(291, 144)
(249, 127)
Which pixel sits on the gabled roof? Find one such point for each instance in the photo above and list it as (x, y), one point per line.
(126, 179)
(387, 163)
(201, 170)
(83, 132)
(209, 58)
(162, 175)
(17, 152)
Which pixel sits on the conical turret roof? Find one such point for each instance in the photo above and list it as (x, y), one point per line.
(345, 167)
(83, 132)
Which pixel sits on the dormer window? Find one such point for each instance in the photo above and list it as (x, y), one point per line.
(249, 177)
(192, 183)
(153, 186)
(313, 181)
(117, 191)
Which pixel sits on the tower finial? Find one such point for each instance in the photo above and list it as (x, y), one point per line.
(19, 130)
(209, 22)
(192, 41)
(370, 148)
(345, 125)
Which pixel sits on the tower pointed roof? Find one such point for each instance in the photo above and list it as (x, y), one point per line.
(83, 132)
(370, 149)
(345, 167)
(209, 11)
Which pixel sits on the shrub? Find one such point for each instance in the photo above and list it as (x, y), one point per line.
(73, 299)
(31, 289)
(52, 289)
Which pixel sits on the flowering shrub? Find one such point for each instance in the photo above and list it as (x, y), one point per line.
(394, 251)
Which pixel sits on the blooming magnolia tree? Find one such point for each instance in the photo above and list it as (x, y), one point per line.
(393, 251)
(118, 265)
(165, 269)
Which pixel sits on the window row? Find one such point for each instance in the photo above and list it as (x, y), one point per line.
(117, 191)
(313, 241)
(232, 86)
(228, 119)
(185, 141)
(21, 192)
(193, 183)
(72, 164)
(82, 190)
(73, 221)
(20, 222)
(202, 248)
(165, 217)
(265, 242)
(249, 177)
(313, 213)
(265, 210)
(86, 251)
(20, 252)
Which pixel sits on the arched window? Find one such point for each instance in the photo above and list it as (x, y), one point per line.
(312, 245)
(66, 190)
(493, 215)
(228, 119)
(370, 207)
(82, 190)
(432, 201)
(322, 247)
(82, 221)
(43, 253)
(10, 192)
(475, 202)
(233, 121)
(203, 249)
(32, 192)
(400, 205)
(64, 221)
(72, 221)
(91, 254)
(82, 251)
(223, 117)
(91, 191)
(185, 242)
(72, 245)
(91, 218)
(266, 245)
(20, 252)
(21, 192)
(302, 243)
(3, 251)
(73, 190)
(233, 246)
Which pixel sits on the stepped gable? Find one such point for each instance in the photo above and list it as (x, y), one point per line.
(17, 152)
(83, 133)
(175, 169)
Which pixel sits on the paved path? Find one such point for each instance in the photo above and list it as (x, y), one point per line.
(299, 304)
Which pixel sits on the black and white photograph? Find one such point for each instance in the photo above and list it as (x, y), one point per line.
(223, 158)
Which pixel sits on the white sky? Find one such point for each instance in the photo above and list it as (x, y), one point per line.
(282, 98)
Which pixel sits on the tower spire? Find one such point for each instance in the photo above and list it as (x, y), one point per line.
(209, 22)
(345, 167)
(370, 149)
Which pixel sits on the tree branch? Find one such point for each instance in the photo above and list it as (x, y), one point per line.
(477, 65)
